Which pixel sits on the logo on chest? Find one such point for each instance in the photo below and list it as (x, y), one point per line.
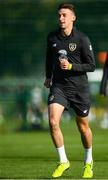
(72, 46)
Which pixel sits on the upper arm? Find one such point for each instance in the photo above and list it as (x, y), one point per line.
(87, 50)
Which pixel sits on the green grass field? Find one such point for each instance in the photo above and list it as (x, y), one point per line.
(31, 155)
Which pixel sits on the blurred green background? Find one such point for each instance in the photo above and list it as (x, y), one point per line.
(24, 26)
(26, 148)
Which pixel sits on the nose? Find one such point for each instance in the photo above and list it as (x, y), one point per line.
(60, 17)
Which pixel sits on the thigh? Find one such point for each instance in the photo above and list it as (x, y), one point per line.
(55, 111)
(82, 120)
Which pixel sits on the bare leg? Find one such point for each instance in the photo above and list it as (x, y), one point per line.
(85, 131)
(86, 137)
(55, 112)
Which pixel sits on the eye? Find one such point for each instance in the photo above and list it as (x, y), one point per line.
(64, 15)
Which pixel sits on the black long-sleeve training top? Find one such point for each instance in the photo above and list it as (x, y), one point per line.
(78, 50)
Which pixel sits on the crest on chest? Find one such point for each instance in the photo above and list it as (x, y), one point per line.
(72, 46)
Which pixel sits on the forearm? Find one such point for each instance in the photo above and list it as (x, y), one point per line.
(83, 67)
(48, 66)
(48, 72)
(64, 64)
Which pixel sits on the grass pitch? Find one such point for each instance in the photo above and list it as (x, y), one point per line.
(31, 155)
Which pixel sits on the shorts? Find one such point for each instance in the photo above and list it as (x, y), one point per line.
(78, 101)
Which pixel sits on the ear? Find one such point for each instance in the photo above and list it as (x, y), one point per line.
(73, 18)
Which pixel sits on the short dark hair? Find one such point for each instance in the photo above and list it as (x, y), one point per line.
(67, 6)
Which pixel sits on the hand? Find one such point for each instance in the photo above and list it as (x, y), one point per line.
(64, 64)
(47, 83)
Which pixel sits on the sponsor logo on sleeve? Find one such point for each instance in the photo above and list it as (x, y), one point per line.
(90, 47)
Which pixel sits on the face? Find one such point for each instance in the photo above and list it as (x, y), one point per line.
(66, 18)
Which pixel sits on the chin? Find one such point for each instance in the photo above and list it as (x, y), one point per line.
(62, 26)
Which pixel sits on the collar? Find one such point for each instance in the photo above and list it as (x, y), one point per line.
(60, 36)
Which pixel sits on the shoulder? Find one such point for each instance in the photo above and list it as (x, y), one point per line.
(52, 34)
(81, 35)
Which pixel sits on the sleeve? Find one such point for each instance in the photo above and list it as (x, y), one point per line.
(48, 65)
(87, 57)
(103, 85)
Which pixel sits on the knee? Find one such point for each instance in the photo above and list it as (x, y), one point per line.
(83, 124)
(83, 127)
(54, 125)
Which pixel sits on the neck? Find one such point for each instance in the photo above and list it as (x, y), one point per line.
(67, 31)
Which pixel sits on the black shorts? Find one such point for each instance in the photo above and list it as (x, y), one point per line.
(79, 101)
